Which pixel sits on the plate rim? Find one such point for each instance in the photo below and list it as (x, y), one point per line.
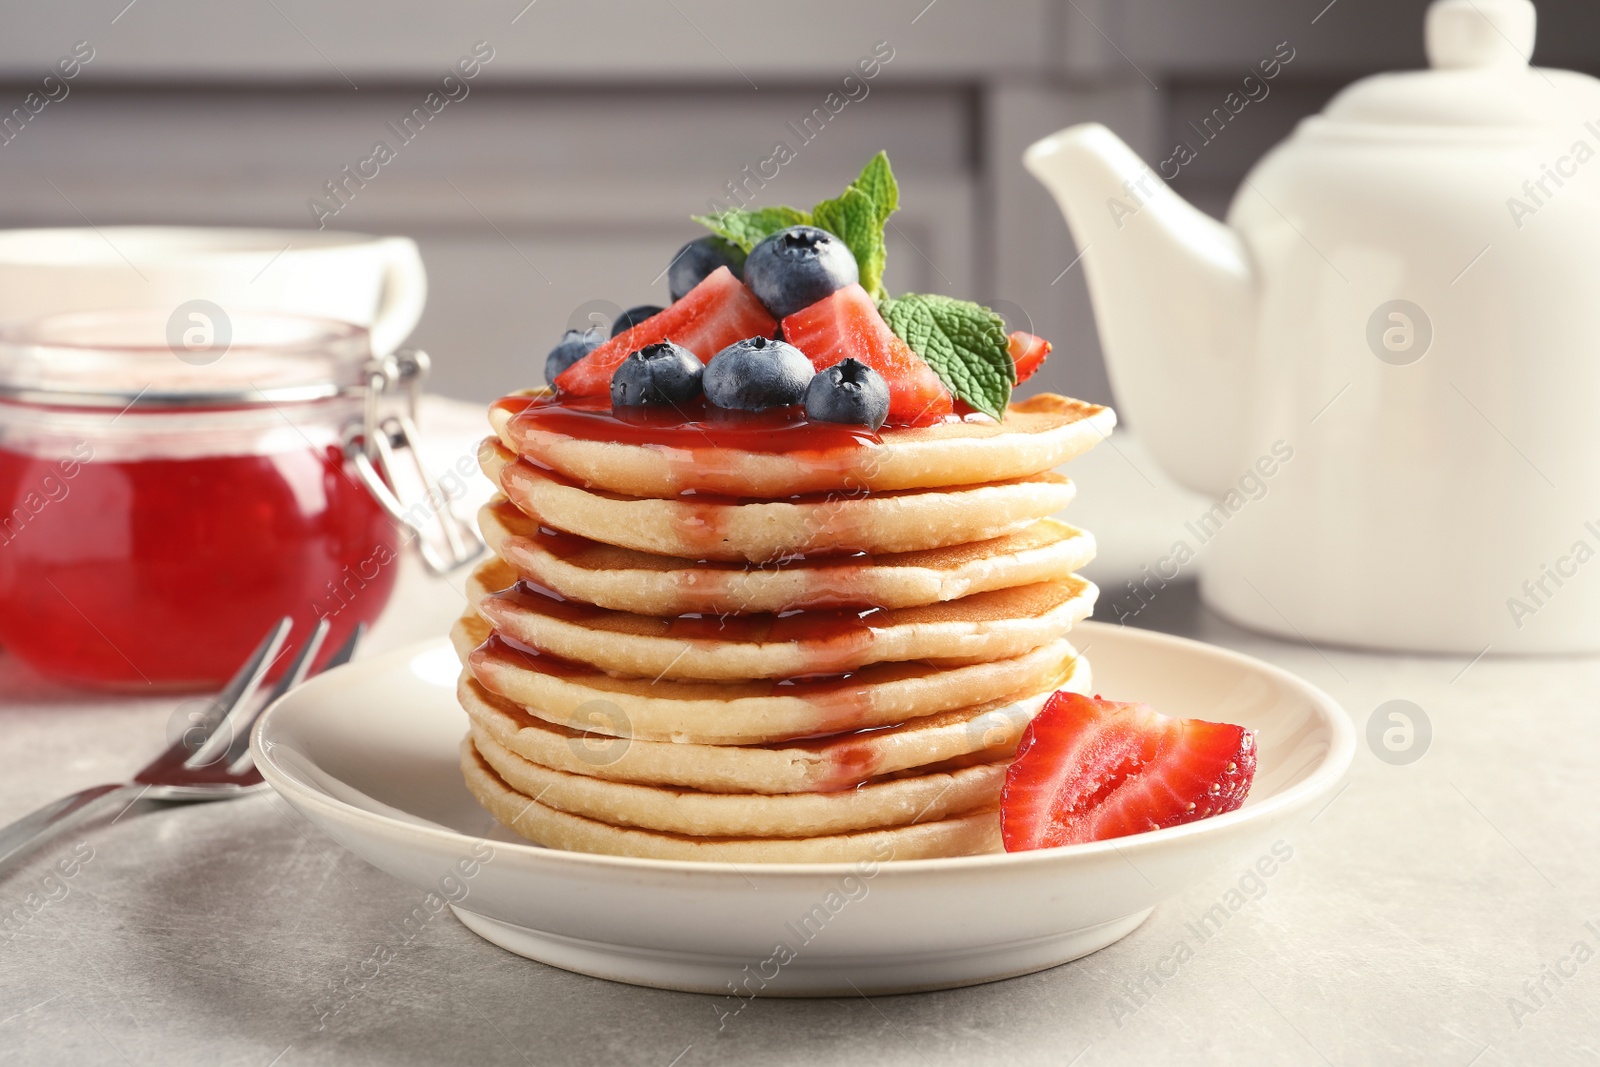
(1327, 774)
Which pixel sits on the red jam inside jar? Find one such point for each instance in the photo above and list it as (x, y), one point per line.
(160, 510)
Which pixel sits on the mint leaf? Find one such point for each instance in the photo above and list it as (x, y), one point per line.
(877, 181)
(964, 343)
(853, 218)
(857, 218)
(747, 228)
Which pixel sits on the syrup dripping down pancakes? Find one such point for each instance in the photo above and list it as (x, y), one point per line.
(651, 454)
(731, 641)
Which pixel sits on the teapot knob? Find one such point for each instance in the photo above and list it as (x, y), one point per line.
(1480, 33)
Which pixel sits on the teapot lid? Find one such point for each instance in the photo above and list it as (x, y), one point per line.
(1480, 77)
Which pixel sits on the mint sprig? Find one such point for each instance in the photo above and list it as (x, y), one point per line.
(876, 180)
(857, 217)
(853, 218)
(748, 228)
(964, 343)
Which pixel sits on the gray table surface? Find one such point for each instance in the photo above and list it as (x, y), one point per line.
(1445, 911)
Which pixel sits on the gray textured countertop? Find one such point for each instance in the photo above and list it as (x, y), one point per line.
(1445, 911)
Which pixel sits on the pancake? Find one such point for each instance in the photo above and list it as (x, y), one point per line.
(623, 579)
(892, 801)
(985, 626)
(962, 835)
(816, 766)
(759, 531)
(1038, 434)
(730, 713)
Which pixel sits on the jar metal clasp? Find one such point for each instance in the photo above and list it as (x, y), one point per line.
(410, 494)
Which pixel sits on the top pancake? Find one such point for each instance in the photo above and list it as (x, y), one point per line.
(1038, 434)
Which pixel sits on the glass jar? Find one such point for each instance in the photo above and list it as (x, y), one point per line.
(168, 492)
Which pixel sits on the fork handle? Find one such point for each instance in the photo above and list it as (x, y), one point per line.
(54, 818)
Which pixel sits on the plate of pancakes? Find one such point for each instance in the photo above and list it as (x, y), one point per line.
(732, 714)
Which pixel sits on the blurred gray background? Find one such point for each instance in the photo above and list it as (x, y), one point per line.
(568, 173)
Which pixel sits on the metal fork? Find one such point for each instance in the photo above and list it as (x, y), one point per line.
(219, 768)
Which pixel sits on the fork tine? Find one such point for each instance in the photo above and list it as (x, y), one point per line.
(236, 698)
(249, 677)
(235, 694)
(293, 675)
(240, 760)
(297, 671)
(347, 650)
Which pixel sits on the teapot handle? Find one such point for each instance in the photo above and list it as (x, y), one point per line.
(1475, 34)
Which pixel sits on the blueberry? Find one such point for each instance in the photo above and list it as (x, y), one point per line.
(795, 268)
(756, 374)
(633, 317)
(574, 346)
(849, 392)
(698, 259)
(657, 374)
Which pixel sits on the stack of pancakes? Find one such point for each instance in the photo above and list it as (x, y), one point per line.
(702, 652)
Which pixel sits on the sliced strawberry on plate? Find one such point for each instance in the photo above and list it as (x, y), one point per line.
(847, 324)
(709, 318)
(1027, 352)
(1091, 769)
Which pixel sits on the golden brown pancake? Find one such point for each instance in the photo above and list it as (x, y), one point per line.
(761, 530)
(821, 765)
(740, 713)
(985, 626)
(892, 801)
(1038, 434)
(623, 579)
(962, 835)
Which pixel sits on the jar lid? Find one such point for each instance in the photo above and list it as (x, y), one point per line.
(1480, 79)
(196, 356)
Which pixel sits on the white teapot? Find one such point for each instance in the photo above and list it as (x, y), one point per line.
(1386, 366)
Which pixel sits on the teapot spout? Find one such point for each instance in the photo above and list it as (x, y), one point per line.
(1174, 297)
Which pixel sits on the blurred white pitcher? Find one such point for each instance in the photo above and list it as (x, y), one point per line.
(376, 282)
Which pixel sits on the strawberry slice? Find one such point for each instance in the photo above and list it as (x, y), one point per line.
(1027, 352)
(847, 324)
(1088, 770)
(709, 318)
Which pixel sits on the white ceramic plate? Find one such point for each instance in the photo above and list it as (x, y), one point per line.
(369, 753)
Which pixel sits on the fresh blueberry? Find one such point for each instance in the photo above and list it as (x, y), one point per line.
(657, 374)
(756, 374)
(633, 317)
(795, 268)
(574, 346)
(850, 392)
(698, 259)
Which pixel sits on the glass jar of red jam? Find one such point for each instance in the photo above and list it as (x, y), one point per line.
(171, 487)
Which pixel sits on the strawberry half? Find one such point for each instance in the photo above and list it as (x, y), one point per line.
(1027, 352)
(709, 318)
(847, 324)
(1090, 769)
